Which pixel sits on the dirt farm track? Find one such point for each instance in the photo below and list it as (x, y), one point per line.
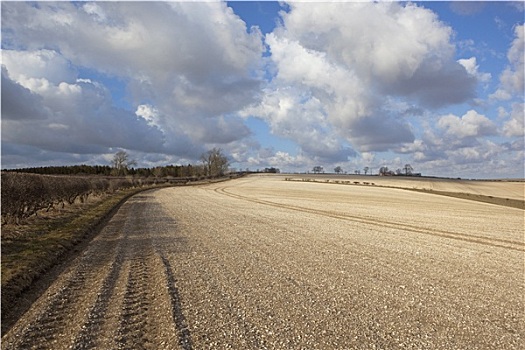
(264, 263)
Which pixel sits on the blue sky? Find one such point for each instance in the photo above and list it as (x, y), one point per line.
(293, 85)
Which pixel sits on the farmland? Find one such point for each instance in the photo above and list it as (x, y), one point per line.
(278, 262)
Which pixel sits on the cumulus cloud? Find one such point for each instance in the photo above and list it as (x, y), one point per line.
(386, 45)
(20, 103)
(38, 64)
(280, 159)
(81, 119)
(461, 144)
(512, 79)
(188, 69)
(471, 124)
(148, 113)
(472, 67)
(515, 126)
(340, 65)
(302, 119)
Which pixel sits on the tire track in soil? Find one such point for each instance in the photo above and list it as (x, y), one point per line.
(138, 321)
(116, 295)
(493, 242)
(133, 317)
(176, 308)
(68, 300)
(65, 306)
(96, 317)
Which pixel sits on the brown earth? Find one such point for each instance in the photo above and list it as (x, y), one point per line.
(263, 263)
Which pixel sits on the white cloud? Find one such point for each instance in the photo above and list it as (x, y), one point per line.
(471, 124)
(149, 113)
(82, 120)
(188, 68)
(37, 64)
(19, 102)
(384, 39)
(340, 66)
(512, 79)
(515, 126)
(472, 67)
(95, 10)
(280, 159)
(392, 48)
(485, 151)
(301, 118)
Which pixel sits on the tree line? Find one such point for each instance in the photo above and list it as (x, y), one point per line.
(106, 170)
(407, 170)
(29, 190)
(213, 163)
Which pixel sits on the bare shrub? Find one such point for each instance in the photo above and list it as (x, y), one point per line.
(24, 194)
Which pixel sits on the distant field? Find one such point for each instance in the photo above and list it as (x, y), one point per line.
(512, 189)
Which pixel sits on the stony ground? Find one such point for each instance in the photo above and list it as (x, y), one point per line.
(262, 263)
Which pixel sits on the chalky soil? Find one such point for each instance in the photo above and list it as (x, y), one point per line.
(262, 263)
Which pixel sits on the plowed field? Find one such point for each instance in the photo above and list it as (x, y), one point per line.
(263, 263)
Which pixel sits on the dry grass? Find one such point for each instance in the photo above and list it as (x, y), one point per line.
(43, 241)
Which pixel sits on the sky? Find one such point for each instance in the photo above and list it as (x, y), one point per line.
(291, 85)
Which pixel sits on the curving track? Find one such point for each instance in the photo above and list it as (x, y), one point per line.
(260, 263)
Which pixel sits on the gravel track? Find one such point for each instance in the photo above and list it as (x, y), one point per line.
(262, 263)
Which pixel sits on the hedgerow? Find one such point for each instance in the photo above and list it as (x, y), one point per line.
(24, 195)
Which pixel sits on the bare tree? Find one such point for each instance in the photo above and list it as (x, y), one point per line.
(159, 171)
(317, 169)
(121, 162)
(408, 169)
(365, 169)
(215, 162)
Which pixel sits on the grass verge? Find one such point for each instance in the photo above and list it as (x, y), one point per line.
(29, 258)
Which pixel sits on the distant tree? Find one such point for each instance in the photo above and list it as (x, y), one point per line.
(159, 171)
(338, 170)
(272, 170)
(200, 170)
(365, 169)
(408, 169)
(384, 170)
(121, 162)
(215, 162)
(317, 169)
(357, 172)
